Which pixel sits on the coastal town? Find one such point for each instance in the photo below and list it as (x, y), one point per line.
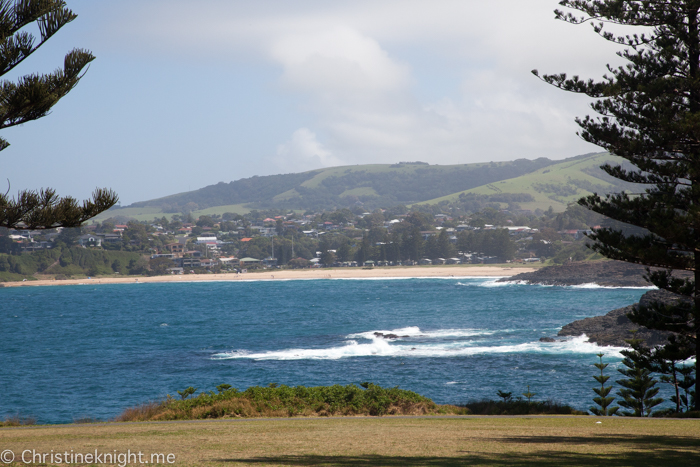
(231, 242)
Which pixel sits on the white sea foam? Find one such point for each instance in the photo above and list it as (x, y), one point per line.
(494, 282)
(385, 348)
(476, 278)
(414, 331)
(597, 286)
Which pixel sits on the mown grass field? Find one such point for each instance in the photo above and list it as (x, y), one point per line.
(383, 441)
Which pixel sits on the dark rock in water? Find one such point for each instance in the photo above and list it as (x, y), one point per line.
(389, 336)
(547, 339)
(605, 273)
(615, 327)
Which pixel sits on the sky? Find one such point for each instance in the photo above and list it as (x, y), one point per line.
(188, 94)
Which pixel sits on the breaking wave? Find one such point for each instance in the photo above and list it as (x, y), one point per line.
(414, 343)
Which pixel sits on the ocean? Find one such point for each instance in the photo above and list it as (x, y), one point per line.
(90, 351)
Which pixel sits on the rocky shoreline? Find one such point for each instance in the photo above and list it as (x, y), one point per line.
(615, 327)
(604, 273)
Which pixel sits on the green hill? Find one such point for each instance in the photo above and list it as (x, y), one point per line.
(555, 185)
(532, 184)
(376, 185)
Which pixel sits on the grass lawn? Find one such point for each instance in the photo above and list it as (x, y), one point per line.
(390, 441)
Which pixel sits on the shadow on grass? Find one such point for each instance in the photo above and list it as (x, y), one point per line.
(540, 458)
(634, 442)
(639, 451)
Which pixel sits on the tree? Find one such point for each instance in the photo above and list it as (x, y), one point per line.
(649, 115)
(603, 400)
(639, 386)
(160, 265)
(667, 362)
(506, 396)
(31, 98)
(529, 394)
(343, 252)
(327, 258)
(445, 248)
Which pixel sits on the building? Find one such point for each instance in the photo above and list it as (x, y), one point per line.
(89, 240)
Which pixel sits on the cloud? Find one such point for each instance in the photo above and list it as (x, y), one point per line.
(368, 75)
(303, 152)
(338, 60)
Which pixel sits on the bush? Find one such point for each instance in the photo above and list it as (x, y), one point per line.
(287, 401)
(18, 420)
(520, 407)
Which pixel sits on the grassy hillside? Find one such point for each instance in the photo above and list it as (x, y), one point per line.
(371, 186)
(555, 185)
(522, 183)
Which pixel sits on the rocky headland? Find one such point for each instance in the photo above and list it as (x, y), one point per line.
(605, 273)
(615, 327)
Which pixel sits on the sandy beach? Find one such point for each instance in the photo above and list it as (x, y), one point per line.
(290, 274)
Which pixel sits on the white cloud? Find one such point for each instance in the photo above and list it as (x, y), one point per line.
(338, 60)
(303, 152)
(353, 69)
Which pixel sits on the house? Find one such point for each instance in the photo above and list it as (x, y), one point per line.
(189, 263)
(425, 261)
(112, 238)
(89, 240)
(34, 246)
(248, 261)
(175, 248)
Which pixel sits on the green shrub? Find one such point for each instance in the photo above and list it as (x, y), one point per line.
(289, 401)
(520, 407)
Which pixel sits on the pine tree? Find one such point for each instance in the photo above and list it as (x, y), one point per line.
(529, 394)
(603, 400)
(687, 399)
(640, 388)
(665, 361)
(649, 115)
(32, 97)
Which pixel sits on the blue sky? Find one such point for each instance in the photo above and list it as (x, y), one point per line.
(187, 94)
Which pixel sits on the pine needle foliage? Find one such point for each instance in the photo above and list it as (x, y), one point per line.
(603, 400)
(32, 97)
(649, 114)
(639, 386)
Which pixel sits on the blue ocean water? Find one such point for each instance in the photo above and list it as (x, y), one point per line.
(71, 352)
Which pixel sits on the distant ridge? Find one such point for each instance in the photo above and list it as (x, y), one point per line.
(373, 185)
(533, 184)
